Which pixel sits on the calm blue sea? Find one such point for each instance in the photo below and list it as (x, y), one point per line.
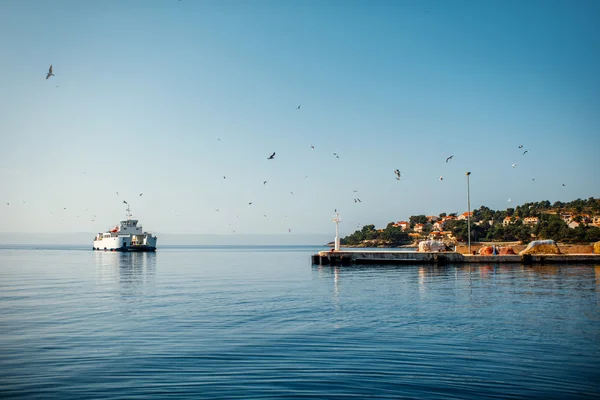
(261, 322)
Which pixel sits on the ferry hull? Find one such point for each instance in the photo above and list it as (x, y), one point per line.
(123, 248)
(138, 249)
(126, 244)
(129, 249)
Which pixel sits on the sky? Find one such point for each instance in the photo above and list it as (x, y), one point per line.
(176, 105)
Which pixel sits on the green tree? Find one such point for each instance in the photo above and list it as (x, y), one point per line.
(417, 219)
(394, 235)
(458, 228)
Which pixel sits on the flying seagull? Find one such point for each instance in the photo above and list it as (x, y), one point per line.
(509, 200)
(141, 194)
(297, 108)
(514, 165)
(291, 192)
(117, 193)
(564, 184)
(397, 172)
(441, 178)
(520, 146)
(449, 158)
(272, 156)
(224, 177)
(335, 154)
(49, 72)
(312, 147)
(124, 202)
(250, 203)
(526, 151)
(265, 182)
(358, 200)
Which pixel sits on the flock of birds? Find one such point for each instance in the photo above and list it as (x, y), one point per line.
(397, 173)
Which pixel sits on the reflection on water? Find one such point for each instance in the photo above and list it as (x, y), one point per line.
(201, 324)
(464, 275)
(133, 273)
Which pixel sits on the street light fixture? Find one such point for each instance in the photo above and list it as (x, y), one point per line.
(468, 212)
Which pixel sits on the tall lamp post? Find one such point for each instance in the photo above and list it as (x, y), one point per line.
(468, 212)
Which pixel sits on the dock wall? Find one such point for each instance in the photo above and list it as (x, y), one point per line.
(441, 258)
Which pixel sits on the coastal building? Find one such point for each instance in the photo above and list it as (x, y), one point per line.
(531, 220)
(402, 224)
(419, 227)
(438, 226)
(432, 218)
(573, 224)
(438, 235)
(596, 220)
(435, 235)
(509, 220)
(465, 215)
(566, 216)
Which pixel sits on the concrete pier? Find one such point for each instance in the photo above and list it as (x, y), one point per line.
(441, 258)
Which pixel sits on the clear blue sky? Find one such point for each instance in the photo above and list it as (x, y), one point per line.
(143, 90)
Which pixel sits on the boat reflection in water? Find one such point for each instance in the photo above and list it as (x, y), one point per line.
(131, 275)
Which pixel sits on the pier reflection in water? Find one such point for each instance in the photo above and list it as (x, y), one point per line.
(503, 302)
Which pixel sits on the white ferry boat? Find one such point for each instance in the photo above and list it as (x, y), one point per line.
(128, 236)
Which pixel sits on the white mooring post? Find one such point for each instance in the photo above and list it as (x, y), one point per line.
(337, 220)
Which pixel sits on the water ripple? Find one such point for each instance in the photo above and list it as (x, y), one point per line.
(249, 324)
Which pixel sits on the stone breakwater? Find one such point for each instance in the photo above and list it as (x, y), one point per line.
(441, 258)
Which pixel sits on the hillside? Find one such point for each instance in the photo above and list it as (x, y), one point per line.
(577, 221)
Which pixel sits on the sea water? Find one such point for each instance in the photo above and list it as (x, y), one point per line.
(262, 322)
